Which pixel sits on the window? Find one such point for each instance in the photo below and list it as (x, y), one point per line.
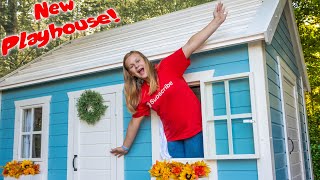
(193, 80)
(196, 90)
(31, 131)
(228, 117)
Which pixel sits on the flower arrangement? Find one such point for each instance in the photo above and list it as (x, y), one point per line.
(16, 169)
(176, 170)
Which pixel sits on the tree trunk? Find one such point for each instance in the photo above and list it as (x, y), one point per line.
(12, 18)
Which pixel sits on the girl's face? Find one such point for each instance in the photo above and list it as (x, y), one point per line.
(136, 66)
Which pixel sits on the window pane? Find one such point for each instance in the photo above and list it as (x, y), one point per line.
(36, 146)
(240, 96)
(219, 99)
(37, 123)
(242, 135)
(25, 146)
(221, 134)
(196, 91)
(26, 121)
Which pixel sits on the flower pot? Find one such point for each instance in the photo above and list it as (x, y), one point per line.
(25, 177)
(204, 178)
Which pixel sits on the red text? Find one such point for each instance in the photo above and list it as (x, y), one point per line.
(42, 9)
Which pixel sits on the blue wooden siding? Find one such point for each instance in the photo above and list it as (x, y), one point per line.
(58, 137)
(137, 163)
(139, 160)
(237, 169)
(281, 46)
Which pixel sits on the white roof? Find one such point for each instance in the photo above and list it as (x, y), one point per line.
(248, 20)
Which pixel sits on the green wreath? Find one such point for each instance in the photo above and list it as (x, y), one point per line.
(90, 107)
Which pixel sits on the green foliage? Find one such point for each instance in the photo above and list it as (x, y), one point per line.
(90, 107)
(308, 19)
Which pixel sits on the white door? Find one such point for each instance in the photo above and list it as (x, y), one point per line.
(291, 118)
(90, 157)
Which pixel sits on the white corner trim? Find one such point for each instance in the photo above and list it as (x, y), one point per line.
(257, 61)
(296, 43)
(307, 129)
(269, 33)
(44, 102)
(118, 89)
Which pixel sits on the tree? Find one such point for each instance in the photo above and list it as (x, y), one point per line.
(308, 20)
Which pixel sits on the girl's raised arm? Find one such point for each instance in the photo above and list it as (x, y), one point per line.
(200, 37)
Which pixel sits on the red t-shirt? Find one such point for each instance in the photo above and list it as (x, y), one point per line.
(175, 103)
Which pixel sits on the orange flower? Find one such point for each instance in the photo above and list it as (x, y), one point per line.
(5, 172)
(16, 169)
(176, 170)
(199, 171)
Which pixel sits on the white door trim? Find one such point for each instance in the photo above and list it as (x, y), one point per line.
(285, 71)
(118, 89)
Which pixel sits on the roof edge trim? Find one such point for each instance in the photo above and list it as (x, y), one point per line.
(208, 46)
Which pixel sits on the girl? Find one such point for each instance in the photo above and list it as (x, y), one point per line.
(163, 89)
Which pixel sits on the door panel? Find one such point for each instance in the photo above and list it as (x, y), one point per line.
(92, 142)
(292, 126)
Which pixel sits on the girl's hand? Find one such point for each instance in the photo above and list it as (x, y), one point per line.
(220, 13)
(118, 151)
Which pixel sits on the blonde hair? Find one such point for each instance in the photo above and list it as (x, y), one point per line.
(132, 85)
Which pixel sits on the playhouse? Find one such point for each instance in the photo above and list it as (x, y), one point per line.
(250, 77)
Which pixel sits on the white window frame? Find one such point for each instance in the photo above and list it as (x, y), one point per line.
(204, 78)
(207, 117)
(191, 78)
(201, 78)
(43, 102)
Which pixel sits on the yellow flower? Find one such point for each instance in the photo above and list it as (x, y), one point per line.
(177, 170)
(16, 169)
(156, 169)
(26, 163)
(29, 171)
(187, 173)
(166, 174)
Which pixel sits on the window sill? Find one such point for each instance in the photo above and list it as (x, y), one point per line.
(238, 156)
(27, 177)
(204, 178)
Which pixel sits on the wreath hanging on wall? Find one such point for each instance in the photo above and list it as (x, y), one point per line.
(90, 106)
